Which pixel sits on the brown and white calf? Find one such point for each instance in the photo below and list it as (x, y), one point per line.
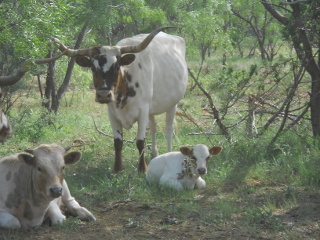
(33, 188)
(181, 170)
(139, 78)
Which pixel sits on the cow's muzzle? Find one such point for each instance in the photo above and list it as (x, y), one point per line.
(55, 192)
(104, 95)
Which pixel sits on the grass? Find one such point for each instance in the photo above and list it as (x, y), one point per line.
(249, 187)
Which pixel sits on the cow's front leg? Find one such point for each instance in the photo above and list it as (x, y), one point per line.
(140, 141)
(118, 144)
(118, 141)
(142, 165)
(54, 212)
(73, 206)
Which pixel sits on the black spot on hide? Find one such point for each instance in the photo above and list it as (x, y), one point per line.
(131, 92)
(137, 85)
(129, 78)
(102, 61)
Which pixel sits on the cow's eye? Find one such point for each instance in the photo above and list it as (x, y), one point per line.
(40, 169)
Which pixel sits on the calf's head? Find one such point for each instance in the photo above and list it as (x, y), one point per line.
(48, 163)
(200, 154)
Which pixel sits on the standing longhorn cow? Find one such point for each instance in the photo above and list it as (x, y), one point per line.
(139, 78)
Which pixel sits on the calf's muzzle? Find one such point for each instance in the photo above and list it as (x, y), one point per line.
(202, 171)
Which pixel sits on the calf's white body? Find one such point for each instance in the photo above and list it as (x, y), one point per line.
(181, 170)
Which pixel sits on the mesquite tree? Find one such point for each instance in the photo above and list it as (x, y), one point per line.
(301, 23)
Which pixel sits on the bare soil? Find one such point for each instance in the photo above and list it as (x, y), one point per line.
(295, 215)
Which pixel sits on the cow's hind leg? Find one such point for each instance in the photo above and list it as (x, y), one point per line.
(170, 114)
(153, 130)
(7, 220)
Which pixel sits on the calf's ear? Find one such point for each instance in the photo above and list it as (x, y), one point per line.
(215, 150)
(27, 159)
(186, 151)
(72, 157)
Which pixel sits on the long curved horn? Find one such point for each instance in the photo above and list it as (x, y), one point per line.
(89, 52)
(15, 77)
(140, 47)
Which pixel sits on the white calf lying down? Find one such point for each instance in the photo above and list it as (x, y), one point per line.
(33, 188)
(182, 169)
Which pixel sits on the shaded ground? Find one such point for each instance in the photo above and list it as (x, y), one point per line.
(251, 212)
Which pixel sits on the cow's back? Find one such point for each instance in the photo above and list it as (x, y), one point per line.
(160, 68)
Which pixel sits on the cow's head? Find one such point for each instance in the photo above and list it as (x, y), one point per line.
(48, 162)
(200, 154)
(105, 66)
(105, 63)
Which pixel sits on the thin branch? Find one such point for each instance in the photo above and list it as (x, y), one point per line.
(214, 110)
(269, 7)
(107, 135)
(296, 2)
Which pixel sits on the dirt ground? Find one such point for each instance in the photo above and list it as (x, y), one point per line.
(299, 219)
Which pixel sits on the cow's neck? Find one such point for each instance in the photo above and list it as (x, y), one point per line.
(122, 90)
(36, 196)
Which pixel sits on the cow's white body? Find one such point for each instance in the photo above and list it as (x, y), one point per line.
(26, 200)
(181, 170)
(162, 75)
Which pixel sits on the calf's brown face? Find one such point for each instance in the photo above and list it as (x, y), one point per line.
(48, 162)
(200, 155)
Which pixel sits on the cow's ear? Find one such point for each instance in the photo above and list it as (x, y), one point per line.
(127, 59)
(83, 61)
(186, 151)
(27, 159)
(215, 150)
(72, 157)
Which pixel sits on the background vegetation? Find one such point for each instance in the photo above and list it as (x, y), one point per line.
(253, 89)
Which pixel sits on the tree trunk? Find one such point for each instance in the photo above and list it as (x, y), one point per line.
(56, 101)
(315, 104)
(303, 47)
